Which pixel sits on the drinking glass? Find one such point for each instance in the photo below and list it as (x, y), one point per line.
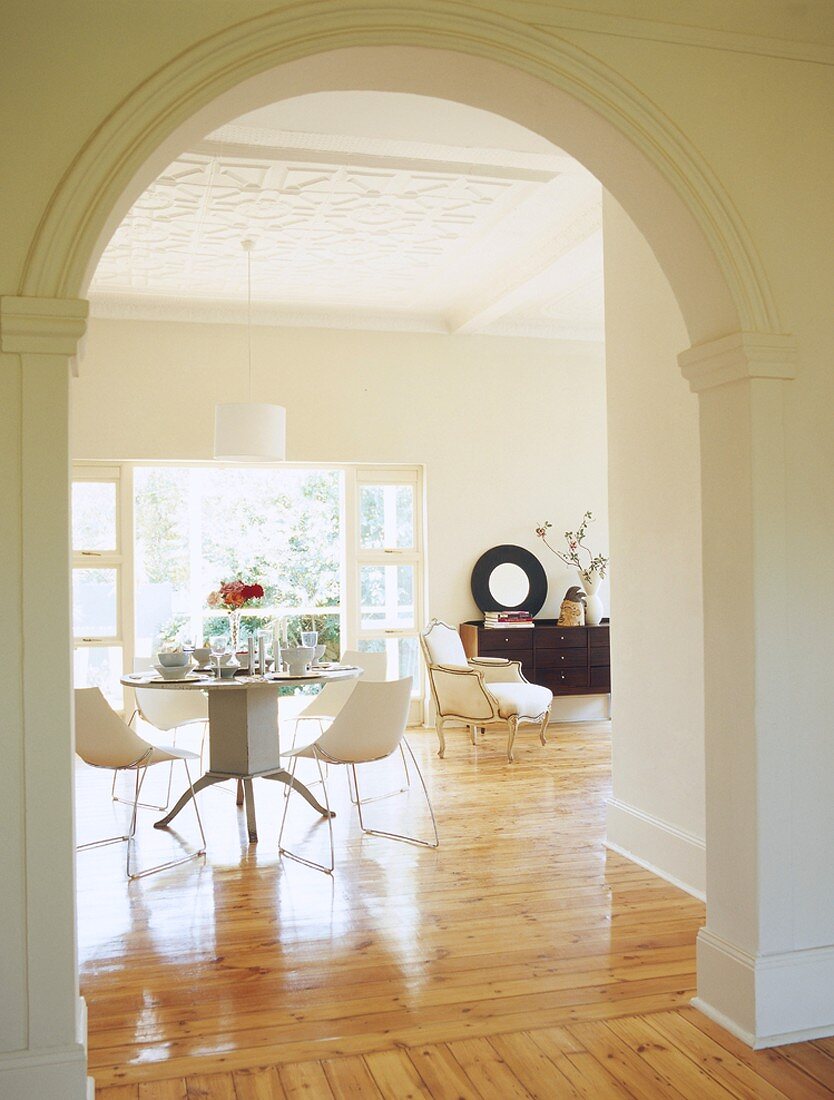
(310, 638)
(218, 647)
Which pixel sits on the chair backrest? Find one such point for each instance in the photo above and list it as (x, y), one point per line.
(371, 724)
(336, 693)
(374, 665)
(168, 709)
(442, 645)
(101, 737)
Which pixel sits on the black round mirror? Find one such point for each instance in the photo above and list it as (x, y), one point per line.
(509, 578)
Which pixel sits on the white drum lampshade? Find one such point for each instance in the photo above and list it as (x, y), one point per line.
(250, 432)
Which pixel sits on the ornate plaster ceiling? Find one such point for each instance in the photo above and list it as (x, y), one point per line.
(357, 230)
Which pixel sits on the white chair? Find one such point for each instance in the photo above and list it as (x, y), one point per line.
(482, 692)
(104, 740)
(167, 711)
(324, 707)
(369, 727)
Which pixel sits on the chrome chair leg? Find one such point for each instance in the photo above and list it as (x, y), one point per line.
(152, 805)
(313, 782)
(390, 794)
(132, 831)
(399, 836)
(294, 855)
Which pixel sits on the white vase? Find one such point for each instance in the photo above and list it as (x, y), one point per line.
(593, 604)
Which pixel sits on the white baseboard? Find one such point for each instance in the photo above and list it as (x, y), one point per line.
(766, 1000)
(664, 849)
(50, 1074)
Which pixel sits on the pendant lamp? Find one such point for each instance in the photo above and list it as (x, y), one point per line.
(247, 430)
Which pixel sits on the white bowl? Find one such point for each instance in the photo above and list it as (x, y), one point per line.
(177, 672)
(298, 658)
(202, 655)
(176, 659)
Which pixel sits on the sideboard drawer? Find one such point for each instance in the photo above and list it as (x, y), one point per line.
(557, 679)
(601, 678)
(570, 660)
(516, 644)
(565, 637)
(561, 658)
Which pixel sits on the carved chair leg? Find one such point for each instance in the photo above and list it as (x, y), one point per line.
(513, 724)
(441, 752)
(543, 732)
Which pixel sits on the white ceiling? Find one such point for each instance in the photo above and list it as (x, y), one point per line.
(368, 210)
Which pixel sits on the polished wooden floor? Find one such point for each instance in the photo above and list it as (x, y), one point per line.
(519, 960)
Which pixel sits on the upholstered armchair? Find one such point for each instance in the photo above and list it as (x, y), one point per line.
(482, 692)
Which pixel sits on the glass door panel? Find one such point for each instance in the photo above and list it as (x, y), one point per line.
(101, 667)
(386, 597)
(386, 517)
(95, 527)
(95, 604)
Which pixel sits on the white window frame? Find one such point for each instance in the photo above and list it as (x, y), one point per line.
(352, 555)
(414, 555)
(120, 559)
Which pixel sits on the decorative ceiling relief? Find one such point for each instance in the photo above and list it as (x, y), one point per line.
(387, 234)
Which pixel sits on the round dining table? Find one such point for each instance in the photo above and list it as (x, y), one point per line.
(244, 733)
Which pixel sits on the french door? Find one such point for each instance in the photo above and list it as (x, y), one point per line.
(102, 601)
(386, 539)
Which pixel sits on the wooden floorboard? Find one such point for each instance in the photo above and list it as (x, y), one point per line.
(520, 959)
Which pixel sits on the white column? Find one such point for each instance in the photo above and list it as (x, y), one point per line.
(751, 977)
(42, 1017)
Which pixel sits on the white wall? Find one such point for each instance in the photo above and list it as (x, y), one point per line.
(511, 431)
(657, 810)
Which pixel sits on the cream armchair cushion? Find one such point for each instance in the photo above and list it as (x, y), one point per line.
(482, 692)
(523, 700)
(443, 645)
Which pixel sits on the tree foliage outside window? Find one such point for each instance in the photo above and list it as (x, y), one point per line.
(197, 527)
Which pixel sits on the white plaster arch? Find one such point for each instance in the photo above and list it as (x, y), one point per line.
(443, 49)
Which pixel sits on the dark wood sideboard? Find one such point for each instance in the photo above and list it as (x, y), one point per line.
(570, 660)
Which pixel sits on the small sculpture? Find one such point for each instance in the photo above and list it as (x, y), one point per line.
(572, 611)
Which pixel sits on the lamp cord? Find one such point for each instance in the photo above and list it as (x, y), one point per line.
(249, 313)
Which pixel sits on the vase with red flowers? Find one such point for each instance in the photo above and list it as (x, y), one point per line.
(234, 596)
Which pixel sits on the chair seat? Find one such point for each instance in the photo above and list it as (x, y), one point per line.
(162, 753)
(527, 701)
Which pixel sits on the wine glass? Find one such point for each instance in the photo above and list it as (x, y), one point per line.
(219, 643)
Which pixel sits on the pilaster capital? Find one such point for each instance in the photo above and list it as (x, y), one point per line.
(741, 356)
(42, 326)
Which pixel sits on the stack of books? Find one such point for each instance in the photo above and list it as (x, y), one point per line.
(507, 620)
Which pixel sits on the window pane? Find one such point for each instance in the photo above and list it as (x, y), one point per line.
(402, 657)
(407, 651)
(386, 596)
(94, 515)
(94, 603)
(101, 667)
(386, 517)
(198, 527)
(162, 562)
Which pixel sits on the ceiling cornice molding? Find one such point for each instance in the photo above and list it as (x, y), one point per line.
(549, 17)
(295, 145)
(189, 311)
(487, 298)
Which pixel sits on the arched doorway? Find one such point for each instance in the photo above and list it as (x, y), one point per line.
(550, 88)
